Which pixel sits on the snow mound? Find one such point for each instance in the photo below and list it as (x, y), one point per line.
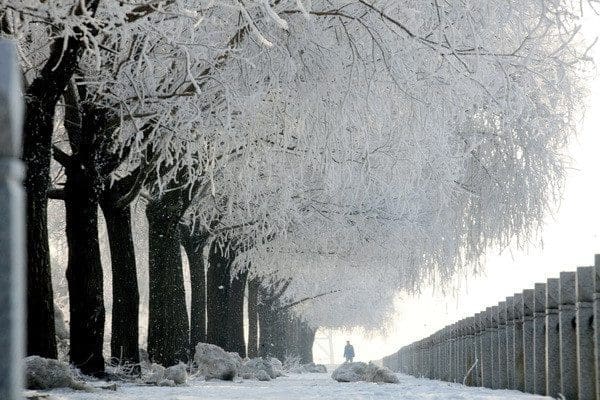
(310, 368)
(262, 376)
(379, 374)
(166, 382)
(359, 371)
(276, 365)
(177, 374)
(156, 374)
(252, 367)
(45, 373)
(350, 372)
(215, 363)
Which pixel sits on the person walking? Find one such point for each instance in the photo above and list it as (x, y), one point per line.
(349, 352)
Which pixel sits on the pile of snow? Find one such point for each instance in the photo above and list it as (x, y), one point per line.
(276, 365)
(45, 373)
(257, 367)
(215, 363)
(161, 376)
(359, 371)
(310, 368)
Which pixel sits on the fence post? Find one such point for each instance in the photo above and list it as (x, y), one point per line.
(539, 339)
(494, 347)
(597, 322)
(568, 346)
(585, 333)
(463, 332)
(502, 371)
(477, 340)
(469, 351)
(486, 349)
(528, 339)
(510, 351)
(552, 340)
(12, 249)
(519, 367)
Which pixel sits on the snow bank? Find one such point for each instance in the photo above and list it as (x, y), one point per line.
(359, 371)
(310, 368)
(44, 373)
(177, 374)
(215, 363)
(252, 367)
(276, 365)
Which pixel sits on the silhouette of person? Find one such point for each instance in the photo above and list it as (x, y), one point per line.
(349, 352)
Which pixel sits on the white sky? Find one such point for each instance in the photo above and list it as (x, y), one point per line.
(570, 239)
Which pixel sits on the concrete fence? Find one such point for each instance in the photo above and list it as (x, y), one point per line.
(12, 249)
(545, 340)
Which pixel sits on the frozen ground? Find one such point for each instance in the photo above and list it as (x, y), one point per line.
(297, 387)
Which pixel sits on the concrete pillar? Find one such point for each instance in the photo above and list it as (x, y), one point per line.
(586, 374)
(567, 335)
(597, 322)
(539, 339)
(528, 339)
(12, 249)
(510, 350)
(502, 370)
(486, 349)
(519, 365)
(552, 339)
(494, 348)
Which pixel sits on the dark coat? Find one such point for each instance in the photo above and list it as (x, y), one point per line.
(349, 351)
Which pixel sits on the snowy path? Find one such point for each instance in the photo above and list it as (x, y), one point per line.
(300, 387)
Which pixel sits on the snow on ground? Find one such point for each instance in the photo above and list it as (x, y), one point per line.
(298, 387)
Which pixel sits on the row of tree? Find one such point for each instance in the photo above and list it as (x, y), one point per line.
(321, 157)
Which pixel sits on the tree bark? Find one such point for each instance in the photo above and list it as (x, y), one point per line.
(306, 341)
(168, 327)
(84, 269)
(217, 294)
(124, 344)
(253, 318)
(193, 242)
(41, 98)
(235, 313)
(272, 322)
(39, 123)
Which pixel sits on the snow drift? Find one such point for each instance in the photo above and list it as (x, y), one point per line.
(360, 371)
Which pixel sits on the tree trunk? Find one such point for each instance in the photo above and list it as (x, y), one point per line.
(39, 123)
(193, 243)
(253, 318)
(306, 341)
(41, 98)
(235, 313)
(217, 294)
(124, 344)
(168, 327)
(84, 270)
